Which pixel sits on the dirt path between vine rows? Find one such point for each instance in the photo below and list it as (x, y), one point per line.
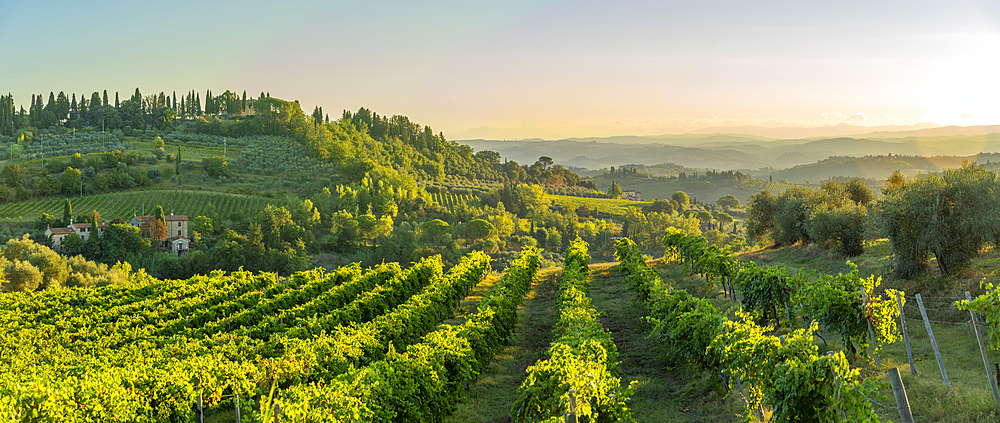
(490, 398)
(662, 394)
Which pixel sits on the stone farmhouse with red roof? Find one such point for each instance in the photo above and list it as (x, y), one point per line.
(177, 232)
(82, 229)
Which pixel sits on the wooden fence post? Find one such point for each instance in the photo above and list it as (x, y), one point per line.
(238, 420)
(743, 394)
(899, 391)
(201, 411)
(878, 361)
(930, 332)
(789, 316)
(277, 411)
(982, 350)
(906, 338)
(571, 417)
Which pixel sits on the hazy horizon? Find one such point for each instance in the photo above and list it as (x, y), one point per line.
(515, 70)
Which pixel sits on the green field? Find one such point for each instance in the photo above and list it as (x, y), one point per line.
(125, 204)
(703, 191)
(598, 205)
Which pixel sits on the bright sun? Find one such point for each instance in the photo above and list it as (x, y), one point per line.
(966, 88)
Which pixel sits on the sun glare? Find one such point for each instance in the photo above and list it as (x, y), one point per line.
(965, 88)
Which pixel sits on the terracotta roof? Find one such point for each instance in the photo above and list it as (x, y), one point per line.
(61, 231)
(168, 218)
(90, 225)
(175, 238)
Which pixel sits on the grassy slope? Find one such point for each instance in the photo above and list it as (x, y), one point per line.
(600, 205)
(704, 191)
(970, 400)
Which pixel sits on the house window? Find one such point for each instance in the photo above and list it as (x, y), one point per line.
(178, 233)
(178, 224)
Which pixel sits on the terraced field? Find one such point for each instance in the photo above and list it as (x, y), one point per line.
(125, 204)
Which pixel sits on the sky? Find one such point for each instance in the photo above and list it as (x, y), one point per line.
(524, 69)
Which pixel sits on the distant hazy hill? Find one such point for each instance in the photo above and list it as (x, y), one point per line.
(944, 131)
(596, 155)
(742, 152)
(878, 167)
(840, 130)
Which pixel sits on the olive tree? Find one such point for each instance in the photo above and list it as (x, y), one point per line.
(951, 214)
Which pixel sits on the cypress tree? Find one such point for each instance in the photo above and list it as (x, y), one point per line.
(6, 114)
(174, 102)
(67, 212)
(117, 104)
(243, 105)
(51, 105)
(62, 106)
(159, 214)
(105, 102)
(95, 100)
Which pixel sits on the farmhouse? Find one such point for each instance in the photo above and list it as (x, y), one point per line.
(177, 224)
(85, 229)
(58, 235)
(177, 245)
(177, 232)
(631, 194)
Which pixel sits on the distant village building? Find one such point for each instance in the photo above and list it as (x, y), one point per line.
(85, 229)
(58, 235)
(631, 194)
(178, 245)
(177, 241)
(177, 224)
